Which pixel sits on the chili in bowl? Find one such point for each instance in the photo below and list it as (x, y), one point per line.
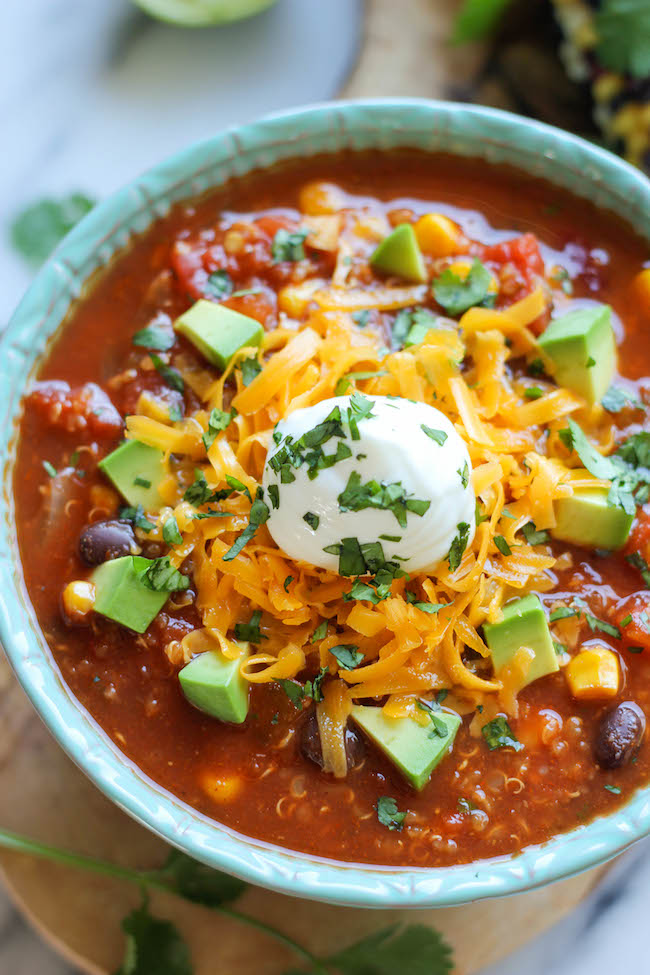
(331, 499)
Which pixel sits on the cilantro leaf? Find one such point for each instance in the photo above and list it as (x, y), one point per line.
(294, 691)
(137, 518)
(197, 882)
(534, 537)
(348, 655)
(388, 497)
(199, 492)
(153, 946)
(458, 546)
(37, 229)
(219, 285)
(250, 632)
(476, 19)
(312, 520)
(439, 436)
(637, 560)
(346, 381)
(217, 421)
(597, 464)
(171, 376)
(456, 294)
(51, 470)
(250, 368)
(161, 576)
(623, 30)
(238, 485)
(616, 399)
(498, 734)
(313, 687)
(388, 815)
(288, 245)
(320, 632)
(414, 949)
(410, 327)
(502, 545)
(259, 514)
(155, 336)
(361, 318)
(171, 532)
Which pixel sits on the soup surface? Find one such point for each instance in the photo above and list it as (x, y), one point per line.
(344, 705)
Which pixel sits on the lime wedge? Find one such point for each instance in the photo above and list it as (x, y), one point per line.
(202, 13)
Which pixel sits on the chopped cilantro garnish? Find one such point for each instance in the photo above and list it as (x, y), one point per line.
(161, 576)
(458, 546)
(288, 245)
(456, 294)
(140, 481)
(439, 436)
(294, 691)
(439, 727)
(174, 411)
(388, 497)
(171, 376)
(637, 560)
(312, 520)
(250, 632)
(287, 582)
(259, 514)
(274, 495)
(348, 655)
(614, 789)
(536, 367)
(591, 362)
(320, 632)
(171, 533)
(199, 492)
(250, 368)
(562, 277)
(498, 734)
(238, 485)
(463, 474)
(533, 392)
(50, 469)
(626, 620)
(534, 537)
(391, 538)
(346, 381)
(410, 327)
(137, 518)
(388, 814)
(217, 421)
(351, 561)
(155, 336)
(617, 399)
(219, 285)
(502, 545)
(578, 607)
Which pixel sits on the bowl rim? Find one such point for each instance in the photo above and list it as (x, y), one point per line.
(59, 283)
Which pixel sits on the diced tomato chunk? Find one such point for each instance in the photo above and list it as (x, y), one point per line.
(521, 251)
(84, 408)
(632, 617)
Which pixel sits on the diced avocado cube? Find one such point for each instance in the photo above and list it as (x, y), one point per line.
(218, 332)
(136, 470)
(414, 748)
(400, 254)
(587, 520)
(214, 684)
(524, 625)
(121, 595)
(580, 351)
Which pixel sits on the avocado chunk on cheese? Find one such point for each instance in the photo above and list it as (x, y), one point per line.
(400, 254)
(136, 470)
(122, 596)
(523, 625)
(587, 520)
(214, 684)
(218, 332)
(416, 749)
(580, 351)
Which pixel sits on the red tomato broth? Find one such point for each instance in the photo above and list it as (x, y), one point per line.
(268, 790)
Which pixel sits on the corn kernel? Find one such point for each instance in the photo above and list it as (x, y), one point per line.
(222, 787)
(320, 198)
(294, 299)
(78, 600)
(437, 236)
(593, 674)
(642, 288)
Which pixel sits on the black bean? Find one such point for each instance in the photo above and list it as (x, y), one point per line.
(105, 540)
(619, 735)
(310, 743)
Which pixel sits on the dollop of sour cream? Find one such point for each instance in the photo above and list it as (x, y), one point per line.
(372, 468)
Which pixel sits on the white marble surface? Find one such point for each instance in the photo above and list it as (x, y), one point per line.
(92, 92)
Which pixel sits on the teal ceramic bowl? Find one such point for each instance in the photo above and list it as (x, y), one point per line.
(384, 124)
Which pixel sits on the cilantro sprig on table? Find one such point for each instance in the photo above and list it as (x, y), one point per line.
(155, 945)
(37, 229)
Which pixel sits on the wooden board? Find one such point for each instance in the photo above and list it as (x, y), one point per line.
(405, 51)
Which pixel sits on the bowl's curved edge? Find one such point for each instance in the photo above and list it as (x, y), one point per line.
(382, 123)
